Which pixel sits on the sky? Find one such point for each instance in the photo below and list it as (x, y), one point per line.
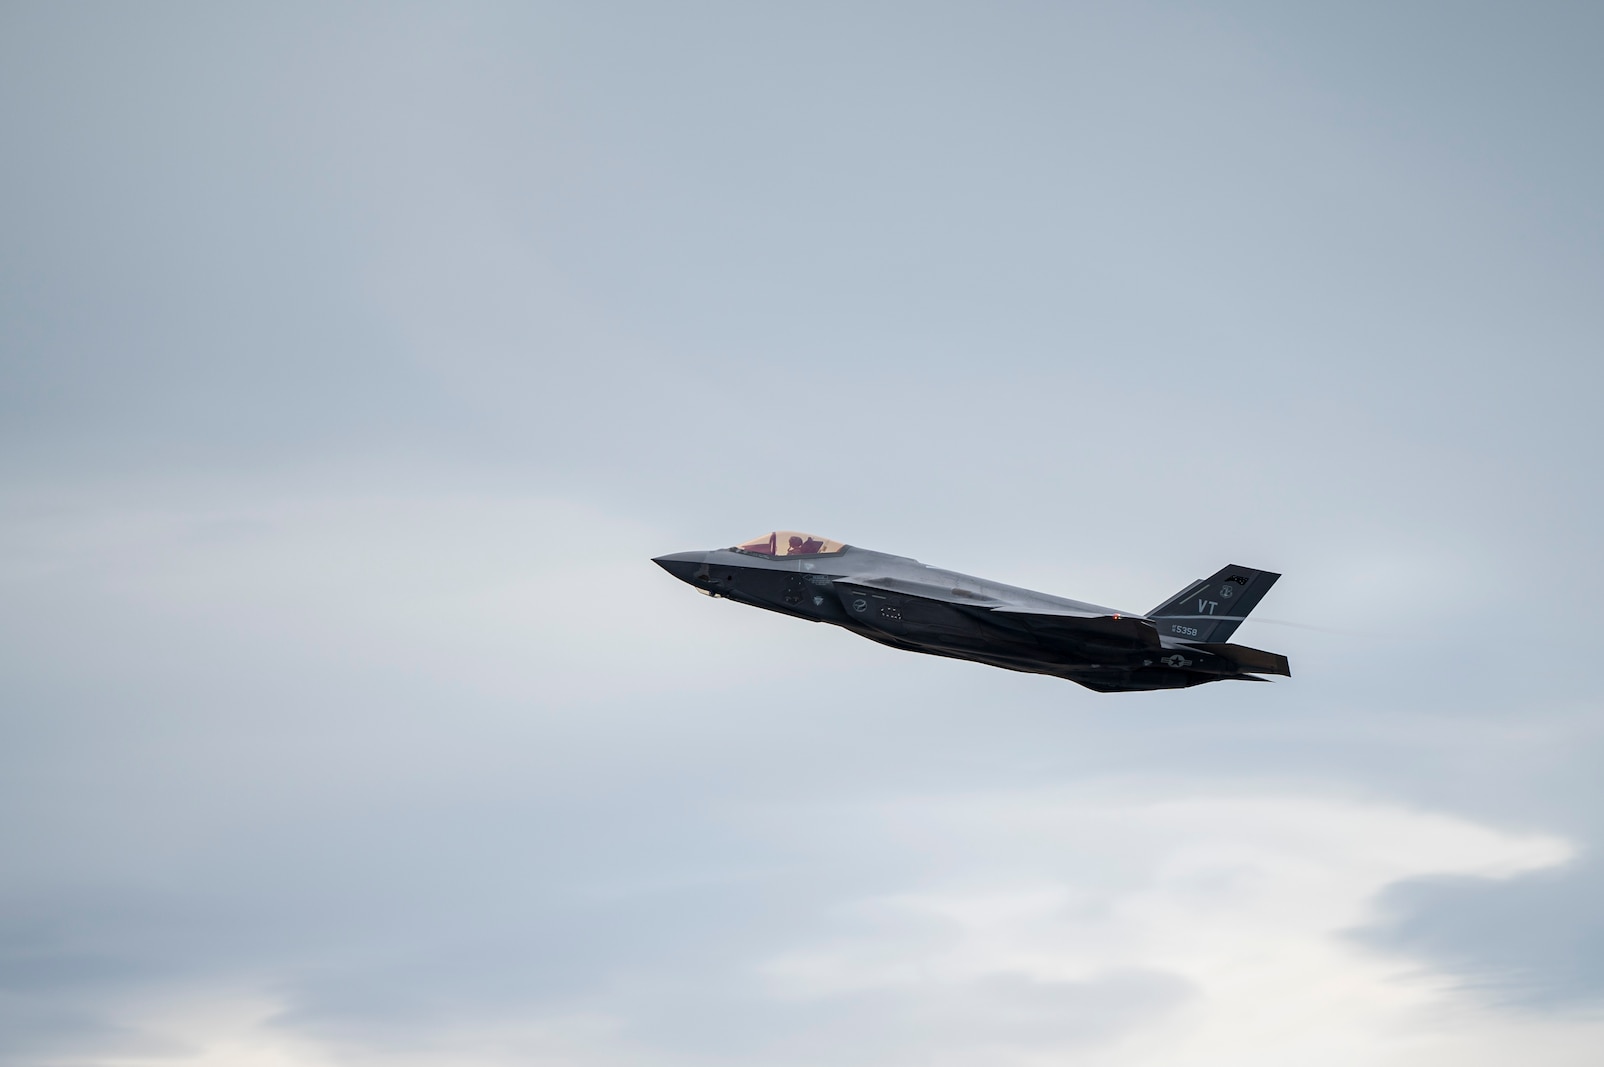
(355, 359)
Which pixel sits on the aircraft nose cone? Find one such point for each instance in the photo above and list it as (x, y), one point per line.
(682, 565)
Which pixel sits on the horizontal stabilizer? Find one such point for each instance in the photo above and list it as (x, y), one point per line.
(1249, 659)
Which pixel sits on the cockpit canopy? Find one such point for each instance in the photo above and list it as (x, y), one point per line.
(783, 543)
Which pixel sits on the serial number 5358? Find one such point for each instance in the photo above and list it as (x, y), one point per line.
(1184, 631)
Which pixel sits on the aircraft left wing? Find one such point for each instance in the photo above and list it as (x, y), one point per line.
(883, 601)
(941, 594)
(1119, 630)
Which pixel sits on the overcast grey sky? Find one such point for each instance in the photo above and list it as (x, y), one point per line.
(354, 360)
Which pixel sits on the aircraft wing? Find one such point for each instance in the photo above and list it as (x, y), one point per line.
(899, 594)
(905, 587)
(1120, 630)
(927, 591)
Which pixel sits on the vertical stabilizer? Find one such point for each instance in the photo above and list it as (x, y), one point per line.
(1212, 608)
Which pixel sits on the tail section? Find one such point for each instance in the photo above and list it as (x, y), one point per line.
(1212, 609)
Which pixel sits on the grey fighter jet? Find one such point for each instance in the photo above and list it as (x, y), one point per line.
(906, 604)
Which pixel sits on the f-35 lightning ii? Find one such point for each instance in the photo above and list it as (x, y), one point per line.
(906, 604)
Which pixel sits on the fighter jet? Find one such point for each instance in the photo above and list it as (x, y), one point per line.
(906, 604)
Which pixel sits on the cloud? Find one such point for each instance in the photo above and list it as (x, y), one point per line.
(358, 360)
(1239, 901)
(378, 792)
(1013, 926)
(1535, 943)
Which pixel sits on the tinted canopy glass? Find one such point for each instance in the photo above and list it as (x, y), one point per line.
(790, 543)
